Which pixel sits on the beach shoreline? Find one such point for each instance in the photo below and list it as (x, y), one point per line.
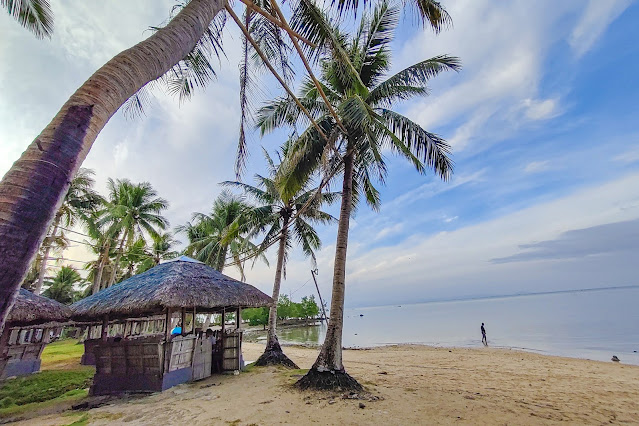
(405, 384)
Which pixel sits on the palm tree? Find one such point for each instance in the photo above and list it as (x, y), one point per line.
(78, 203)
(212, 237)
(131, 211)
(278, 216)
(61, 288)
(353, 71)
(35, 186)
(38, 180)
(160, 249)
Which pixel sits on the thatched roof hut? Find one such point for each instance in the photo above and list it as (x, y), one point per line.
(30, 309)
(32, 322)
(177, 284)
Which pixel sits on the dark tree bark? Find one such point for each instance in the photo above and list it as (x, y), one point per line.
(34, 188)
(328, 371)
(273, 354)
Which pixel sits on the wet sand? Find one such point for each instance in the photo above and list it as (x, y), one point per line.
(405, 385)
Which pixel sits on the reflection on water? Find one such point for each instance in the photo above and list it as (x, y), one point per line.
(310, 334)
(592, 324)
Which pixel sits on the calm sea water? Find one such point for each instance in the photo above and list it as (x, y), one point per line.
(582, 324)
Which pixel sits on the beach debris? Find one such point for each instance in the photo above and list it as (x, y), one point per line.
(615, 359)
(332, 401)
(362, 405)
(382, 372)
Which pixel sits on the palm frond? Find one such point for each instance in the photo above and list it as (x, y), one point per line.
(34, 15)
(411, 81)
(428, 147)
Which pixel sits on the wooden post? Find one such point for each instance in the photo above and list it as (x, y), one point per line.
(183, 320)
(193, 324)
(105, 328)
(238, 318)
(167, 324)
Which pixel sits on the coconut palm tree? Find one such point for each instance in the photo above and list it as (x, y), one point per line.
(353, 78)
(131, 211)
(61, 287)
(78, 204)
(38, 180)
(277, 214)
(34, 188)
(159, 250)
(214, 236)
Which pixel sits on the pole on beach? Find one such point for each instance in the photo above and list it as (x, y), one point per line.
(313, 272)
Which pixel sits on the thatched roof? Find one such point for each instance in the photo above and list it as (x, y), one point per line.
(180, 283)
(31, 309)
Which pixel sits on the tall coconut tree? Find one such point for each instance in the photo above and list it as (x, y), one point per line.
(79, 201)
(354, 79)
(222, 235)
(34, 188)
(131, 211)
(281, 217)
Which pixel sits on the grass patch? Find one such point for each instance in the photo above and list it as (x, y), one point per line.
(44, 386)
(82, 421)
(62, 354)
(67, 397)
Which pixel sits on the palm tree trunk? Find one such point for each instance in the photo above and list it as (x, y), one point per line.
(328, 371)
(45, 255)
(272, 313)
(117, 261)
(273, 354)
(33, 189)
(221, 260)
(104, 256)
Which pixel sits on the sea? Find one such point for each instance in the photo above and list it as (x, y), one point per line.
(591, 324)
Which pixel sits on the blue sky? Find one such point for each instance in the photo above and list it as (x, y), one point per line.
(542, 120)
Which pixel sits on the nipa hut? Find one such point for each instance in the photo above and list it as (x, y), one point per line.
(32, 323)
(142, 333)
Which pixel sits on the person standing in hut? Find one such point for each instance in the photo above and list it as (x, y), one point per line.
(483, 335)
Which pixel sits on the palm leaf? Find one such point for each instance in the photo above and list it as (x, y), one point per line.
(34, 15)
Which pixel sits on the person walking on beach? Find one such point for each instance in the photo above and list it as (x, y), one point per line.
(483, 335)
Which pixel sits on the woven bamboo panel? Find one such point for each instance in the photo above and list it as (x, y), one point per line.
(181, 350)
(232, 350)
(202, 359)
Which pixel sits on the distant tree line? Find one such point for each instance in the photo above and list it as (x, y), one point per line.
(307, 309)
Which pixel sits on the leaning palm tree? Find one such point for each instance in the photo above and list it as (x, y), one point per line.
(38, 180)
(78, 204)
(280, 216)
(221, 234)
(353, 79)
(131, 211)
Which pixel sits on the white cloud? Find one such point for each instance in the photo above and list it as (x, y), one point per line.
(594, 21)
(540, 109)
(630, 156)
(537, 166)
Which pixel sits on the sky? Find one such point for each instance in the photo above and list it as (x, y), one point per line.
(541, 120)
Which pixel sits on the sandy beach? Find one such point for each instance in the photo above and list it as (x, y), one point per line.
(405, 384)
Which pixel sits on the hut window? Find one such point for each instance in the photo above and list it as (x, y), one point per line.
(13, 337)
(23, 336)
(37, 337)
